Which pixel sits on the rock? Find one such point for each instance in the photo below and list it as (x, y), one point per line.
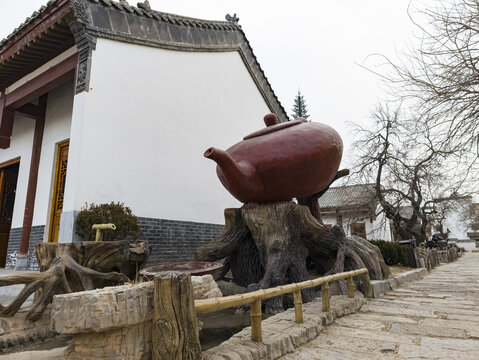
(18, 329)
(230, 288)
(114, 322)
(54, 354)
(205, 287)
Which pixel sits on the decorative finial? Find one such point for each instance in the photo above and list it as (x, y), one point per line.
(145, 5)
(124, 3)
(232, 19)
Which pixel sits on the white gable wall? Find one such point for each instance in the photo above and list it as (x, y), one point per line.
(141, 130)
(57, 128)
(378, 229)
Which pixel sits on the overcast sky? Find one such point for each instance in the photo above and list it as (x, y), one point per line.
(310, 45)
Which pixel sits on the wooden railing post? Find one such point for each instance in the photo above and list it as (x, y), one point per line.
(325, 296)
(350, 287)
(175, 333)
(298, 307)
(366, 285)
(256, 334)
(254, 298)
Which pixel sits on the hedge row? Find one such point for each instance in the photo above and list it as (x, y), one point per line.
(393, 253)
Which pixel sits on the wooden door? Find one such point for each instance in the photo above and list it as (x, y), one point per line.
(58, 190)
(8, 186)
(358, 229)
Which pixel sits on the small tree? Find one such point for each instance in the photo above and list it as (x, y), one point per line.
(300, 109)
(116, 213)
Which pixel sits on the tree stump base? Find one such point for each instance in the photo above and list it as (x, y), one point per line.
(266, 245)
(71, 267)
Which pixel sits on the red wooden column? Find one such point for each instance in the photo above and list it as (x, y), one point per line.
(32, 183)
(6, 124)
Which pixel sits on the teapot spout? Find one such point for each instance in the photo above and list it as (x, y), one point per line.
(241, 177)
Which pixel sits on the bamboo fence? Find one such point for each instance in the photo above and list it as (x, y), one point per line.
(254, 298)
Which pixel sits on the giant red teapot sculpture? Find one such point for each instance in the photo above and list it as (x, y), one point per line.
(286, 160)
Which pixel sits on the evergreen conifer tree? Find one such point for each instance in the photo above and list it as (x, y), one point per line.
(299, 107)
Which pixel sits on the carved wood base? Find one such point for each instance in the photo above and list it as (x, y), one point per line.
(266, 245)
(66, 268)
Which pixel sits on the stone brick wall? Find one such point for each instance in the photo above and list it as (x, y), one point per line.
(172, 240)
(14, 246)
(175, 241)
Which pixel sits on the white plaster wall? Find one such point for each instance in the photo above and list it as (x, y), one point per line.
(456, 225)
(378, 229)
(20, 146)
(140, 132)
(57, 128)
(466, 244)
(328, 220)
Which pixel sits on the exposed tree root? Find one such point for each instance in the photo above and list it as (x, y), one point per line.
(266, 245)
(63, 274)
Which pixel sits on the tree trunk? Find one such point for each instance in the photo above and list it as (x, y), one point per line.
(271, 242)
(175, 333)
(276, 233)
(70, 267)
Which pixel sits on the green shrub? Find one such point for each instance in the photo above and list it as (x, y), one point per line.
(393, 253)
(116, 213)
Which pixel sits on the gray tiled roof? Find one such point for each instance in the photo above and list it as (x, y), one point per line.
(348, 196)
(142, 25)
(170, 18)
(28, 20)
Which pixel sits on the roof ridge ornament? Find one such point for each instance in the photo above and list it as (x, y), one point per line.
(145, 5)
(232, 19)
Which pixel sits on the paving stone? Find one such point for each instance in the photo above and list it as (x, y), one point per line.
(432, 318)
(429, 330)
(423, 352)
(471, 327)
(393, 309)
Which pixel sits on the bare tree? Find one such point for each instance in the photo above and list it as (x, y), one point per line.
(471, 215)
(441, 76)
(410, 170)
(446, 210)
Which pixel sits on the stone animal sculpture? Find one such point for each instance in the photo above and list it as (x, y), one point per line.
(287, 160)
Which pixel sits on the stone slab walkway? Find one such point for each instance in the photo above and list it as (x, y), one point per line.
(433, 318)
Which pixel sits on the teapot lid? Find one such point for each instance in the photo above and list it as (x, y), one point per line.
(272, 125)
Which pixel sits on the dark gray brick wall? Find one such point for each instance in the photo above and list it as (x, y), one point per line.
(175, 241)
(14, 246)
(171, 240)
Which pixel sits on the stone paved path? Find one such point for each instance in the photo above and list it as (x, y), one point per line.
(433, 318)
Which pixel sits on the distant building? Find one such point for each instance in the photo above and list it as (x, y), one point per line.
(461, 232)
(356, 209)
